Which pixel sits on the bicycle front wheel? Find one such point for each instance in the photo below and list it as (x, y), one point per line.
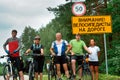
(15, 74)
(31, 73)
(52, 73)
(87, 74)
(7, 73)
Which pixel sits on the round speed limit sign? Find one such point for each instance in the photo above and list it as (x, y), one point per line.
(78, 9)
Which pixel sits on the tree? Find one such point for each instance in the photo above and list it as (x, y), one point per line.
(62, 23)
(113, 9)
(27, 38)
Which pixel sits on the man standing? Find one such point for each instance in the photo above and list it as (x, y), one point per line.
(13, 48)
(77, 45)
(59, 50)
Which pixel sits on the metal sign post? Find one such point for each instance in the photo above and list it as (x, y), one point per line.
(106, 62)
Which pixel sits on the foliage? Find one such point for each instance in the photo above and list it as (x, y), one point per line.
(113, 9)
(113, 57)
(108, 77)
(62, 23)
(27, 38)
(1, 68)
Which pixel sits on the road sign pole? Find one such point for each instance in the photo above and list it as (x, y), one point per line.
(106, 62)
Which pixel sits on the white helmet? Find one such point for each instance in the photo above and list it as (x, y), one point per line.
(37, 37)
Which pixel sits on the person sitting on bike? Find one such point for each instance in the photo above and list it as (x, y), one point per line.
(37, 48)
(93, 58)
(77, 46)
(13, 49)
(58, 50)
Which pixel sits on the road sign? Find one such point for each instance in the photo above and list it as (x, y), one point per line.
(91, 24)
(78, 9)
(78, 0)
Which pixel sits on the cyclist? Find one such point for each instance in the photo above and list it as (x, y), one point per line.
(58, 49)
(37, 48)
(93, 58)
(76, 46)
(13, 48)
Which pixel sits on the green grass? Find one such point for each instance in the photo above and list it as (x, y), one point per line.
(101, 77)
(1, 70)
(108, 77)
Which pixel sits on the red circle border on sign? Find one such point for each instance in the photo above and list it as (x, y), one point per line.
(77, 14)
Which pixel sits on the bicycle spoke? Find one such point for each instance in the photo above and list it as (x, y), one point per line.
(7, 73)
(31, 74)
(86, 75)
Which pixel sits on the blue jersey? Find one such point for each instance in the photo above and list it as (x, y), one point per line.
(60, 49)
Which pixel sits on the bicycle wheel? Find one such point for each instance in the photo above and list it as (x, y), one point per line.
(15, 74)
(31, 73)
(7, 73)
(87, 74)
(52, 73)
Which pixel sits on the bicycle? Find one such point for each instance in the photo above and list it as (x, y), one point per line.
(52, 74)
(31, 70)
(86, 73)
(10, 70)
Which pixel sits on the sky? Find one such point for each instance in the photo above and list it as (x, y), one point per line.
(16, 14)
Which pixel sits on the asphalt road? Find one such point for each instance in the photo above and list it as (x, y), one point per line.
(25, 76)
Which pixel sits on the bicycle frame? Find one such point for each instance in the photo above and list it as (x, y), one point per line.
(52, 69)
(32, 66)
(84, 65)
(9, 66)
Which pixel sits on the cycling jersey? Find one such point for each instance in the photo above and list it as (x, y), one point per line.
(38, 60)
(36, 48)
(13, 44)
(59, 49)
(77, 46)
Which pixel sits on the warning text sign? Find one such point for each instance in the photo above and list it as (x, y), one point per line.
(91, 24)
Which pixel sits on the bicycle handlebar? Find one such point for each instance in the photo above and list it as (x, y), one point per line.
(34, 55)
(8, 55)
(85, 57)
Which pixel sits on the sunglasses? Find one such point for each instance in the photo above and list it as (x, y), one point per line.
(37, 39)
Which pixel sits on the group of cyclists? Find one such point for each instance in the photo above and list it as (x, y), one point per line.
(59, 49)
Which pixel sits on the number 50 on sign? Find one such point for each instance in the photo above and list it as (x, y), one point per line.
(78, 9)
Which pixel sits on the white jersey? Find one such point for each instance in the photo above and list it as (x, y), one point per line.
(59, 46)
(94, 55)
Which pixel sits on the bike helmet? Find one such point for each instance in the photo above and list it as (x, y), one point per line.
(37, 37)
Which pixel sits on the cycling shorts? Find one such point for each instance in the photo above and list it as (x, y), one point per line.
(17, 63)
(60, 59)
(79, 59)
(39, 63)
(94, 63)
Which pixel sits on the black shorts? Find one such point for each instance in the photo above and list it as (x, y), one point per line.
(39, 63)
(94, 63)
(17, 63)
(60, 59)
(79, 59)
